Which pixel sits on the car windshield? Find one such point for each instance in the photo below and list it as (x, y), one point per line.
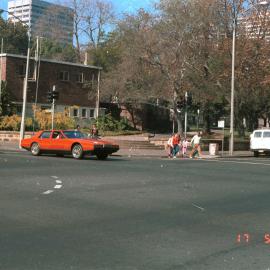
(74, 134)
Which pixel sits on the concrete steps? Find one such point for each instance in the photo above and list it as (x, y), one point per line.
(127, 144)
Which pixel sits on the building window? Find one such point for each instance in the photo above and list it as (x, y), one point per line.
(21, 70)
(83, 113)
(64, 76)
(75, 112)
(92, 113)
(79, 77)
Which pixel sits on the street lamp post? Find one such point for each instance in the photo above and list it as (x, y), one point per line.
(233, 78)
(232, 89)
(25, 85)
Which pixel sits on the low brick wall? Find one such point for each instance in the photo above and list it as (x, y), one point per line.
(12, 136)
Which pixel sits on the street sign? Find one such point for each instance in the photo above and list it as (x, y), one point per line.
(221, 124)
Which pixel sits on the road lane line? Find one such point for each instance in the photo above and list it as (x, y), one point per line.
(199, 207)
(48, 192)
(236, 162)
(58, 186)
(58, 182)
(54, 177)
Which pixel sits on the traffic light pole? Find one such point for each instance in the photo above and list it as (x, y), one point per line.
(53, 104)
(186, 96)
(53, 112)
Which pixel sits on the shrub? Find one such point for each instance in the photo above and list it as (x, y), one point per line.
(108, 123)
(10, 122)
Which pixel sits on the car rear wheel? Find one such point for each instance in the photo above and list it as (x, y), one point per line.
(77, 151)
(35, 149)
(102, 156)
(256, 153)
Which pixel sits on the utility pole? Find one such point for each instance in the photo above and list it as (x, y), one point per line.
(25, 85)
(1, 68)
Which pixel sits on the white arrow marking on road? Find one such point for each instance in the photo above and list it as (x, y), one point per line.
(58, 182)
(57, 186)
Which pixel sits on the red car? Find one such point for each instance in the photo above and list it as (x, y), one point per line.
(63, 142)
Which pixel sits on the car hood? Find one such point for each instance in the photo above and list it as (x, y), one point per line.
(97, 141)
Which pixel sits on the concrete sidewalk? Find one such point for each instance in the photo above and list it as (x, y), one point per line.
(129, 152)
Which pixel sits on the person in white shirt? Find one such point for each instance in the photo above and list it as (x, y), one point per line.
(169, 146)
(195, 142)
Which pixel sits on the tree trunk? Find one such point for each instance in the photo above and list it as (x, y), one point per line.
(179, 123)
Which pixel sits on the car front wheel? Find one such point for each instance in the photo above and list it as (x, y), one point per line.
(35, 149)
(77, 151)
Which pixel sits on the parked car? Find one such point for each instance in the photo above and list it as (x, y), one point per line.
(260, 141)
(65, 142)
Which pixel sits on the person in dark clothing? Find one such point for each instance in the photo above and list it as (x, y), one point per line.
(94, 132)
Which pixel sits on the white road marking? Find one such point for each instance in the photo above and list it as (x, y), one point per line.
(48, 192)
(237, 162)
(57, 186)
(197, 206)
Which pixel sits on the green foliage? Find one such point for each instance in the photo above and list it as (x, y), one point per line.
(108, 123)
(53, 50)
(6, 106)
(14, 37)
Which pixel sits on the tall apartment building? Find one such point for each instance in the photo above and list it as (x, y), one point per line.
(44, 19)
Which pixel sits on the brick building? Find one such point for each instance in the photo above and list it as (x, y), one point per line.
(76, 84)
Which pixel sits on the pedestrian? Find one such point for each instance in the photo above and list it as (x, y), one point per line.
(184, 146)
(169, 146)
(196, 148)
(78, 128)
(94, 131)
(176, 144)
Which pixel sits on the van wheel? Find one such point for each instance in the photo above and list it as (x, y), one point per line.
(256, 153)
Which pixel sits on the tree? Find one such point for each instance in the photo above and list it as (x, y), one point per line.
(14, 36)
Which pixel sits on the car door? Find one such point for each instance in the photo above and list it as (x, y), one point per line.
(256, 140)
(45, 140)
(59, 142)
(266, 140)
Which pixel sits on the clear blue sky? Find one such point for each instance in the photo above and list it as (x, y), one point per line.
(128, 6)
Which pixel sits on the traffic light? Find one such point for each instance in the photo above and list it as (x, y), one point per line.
(55, 94)
(50, 96)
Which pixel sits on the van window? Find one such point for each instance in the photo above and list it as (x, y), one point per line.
(258, 134)
(266, 134)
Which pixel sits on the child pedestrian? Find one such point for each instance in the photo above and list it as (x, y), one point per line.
(184, 146)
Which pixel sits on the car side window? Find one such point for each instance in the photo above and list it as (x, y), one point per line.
(258, 134)
(266, 134)
(56, 135)
(45, 135)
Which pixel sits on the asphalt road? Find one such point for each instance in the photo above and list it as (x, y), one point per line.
(133, 214)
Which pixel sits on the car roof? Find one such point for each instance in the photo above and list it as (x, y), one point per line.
(266, 129)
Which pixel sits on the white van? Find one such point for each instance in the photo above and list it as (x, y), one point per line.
(260, 141)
